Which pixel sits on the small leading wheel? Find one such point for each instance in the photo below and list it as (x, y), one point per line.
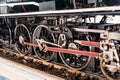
(42, 32)
(112, 73)
(73, 61)
(22, 35)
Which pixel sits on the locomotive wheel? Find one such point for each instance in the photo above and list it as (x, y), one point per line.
(22, 35)
(110, 73)
(73, 61)
(42, 32)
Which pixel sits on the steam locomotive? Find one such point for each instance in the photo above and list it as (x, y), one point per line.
(65, 30)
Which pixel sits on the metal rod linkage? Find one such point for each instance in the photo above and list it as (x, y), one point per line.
(76, 52)
(70, 51)
(88, 43)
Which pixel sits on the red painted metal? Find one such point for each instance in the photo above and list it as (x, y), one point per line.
(70, 51)
(77, 52)
(88, 43)
(23, 7)
(31, 44)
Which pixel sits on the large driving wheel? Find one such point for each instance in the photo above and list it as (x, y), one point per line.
(42, 32)
(22, 35)
(73, 61)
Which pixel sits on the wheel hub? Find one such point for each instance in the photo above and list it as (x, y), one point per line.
(111, 69)
(74, 47)
(21, 39)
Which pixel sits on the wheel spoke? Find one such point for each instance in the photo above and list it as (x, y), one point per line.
(45, 32)
(48, 35)
(75, 61)
(70, 59)
(42, 33)
(79, 61)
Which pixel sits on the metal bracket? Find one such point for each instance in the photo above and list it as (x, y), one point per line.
(42, 41)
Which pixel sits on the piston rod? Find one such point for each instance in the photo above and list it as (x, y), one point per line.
(70, 51)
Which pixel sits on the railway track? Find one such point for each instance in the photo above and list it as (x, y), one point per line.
(51, 68)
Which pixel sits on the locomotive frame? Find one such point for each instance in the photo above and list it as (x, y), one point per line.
(49, 32)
